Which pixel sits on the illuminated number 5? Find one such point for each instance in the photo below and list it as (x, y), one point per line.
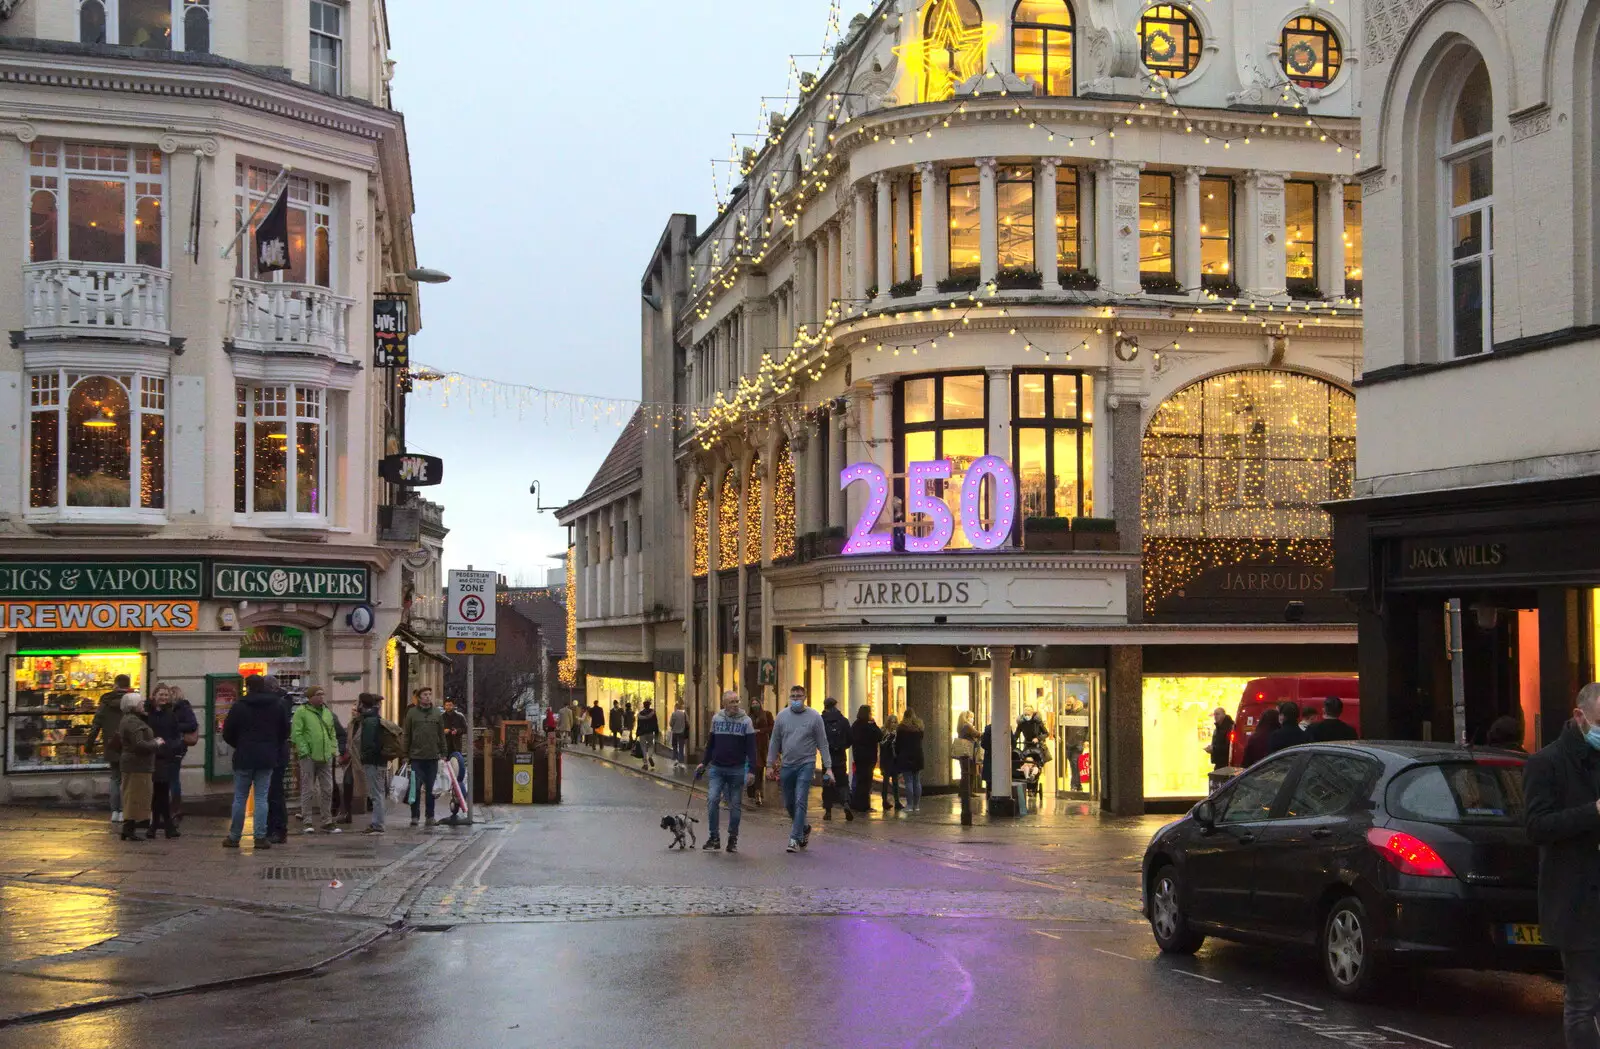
(862, 540)
(1004, 505)
(918, 501)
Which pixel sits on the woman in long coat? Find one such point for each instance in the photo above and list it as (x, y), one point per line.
(865, 736)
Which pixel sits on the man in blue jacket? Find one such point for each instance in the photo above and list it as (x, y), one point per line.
(730, 756)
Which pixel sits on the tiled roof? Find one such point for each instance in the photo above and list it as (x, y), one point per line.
(623, 462)
(546, 612)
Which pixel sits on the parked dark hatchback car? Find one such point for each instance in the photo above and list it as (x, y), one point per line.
(1374, 854)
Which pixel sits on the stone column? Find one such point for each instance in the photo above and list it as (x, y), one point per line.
(769, 464)
(794, 655)
(713, 649)
(988, 219)
(835, 429)
(1127, 478)
(1123, 777)
(885, 227)
(834, 655)
(816, 516)
(1263, 231)
(1117, 200)
(933, 245)
(878, 427)
(746, 470)
(1000, 722)
(998, 391)
(1188, 247)
(1044, 223)
(904, 264)
(819, 280)
(692, 702)
(1330, 237)
(856, 673)
(835, 264)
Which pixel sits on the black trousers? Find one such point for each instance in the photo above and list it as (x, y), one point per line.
(839, 793)
(1583, 998)
(861, 793)
(161, 807)
(278, 802)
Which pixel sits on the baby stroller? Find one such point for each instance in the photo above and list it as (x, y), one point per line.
(1027, 766)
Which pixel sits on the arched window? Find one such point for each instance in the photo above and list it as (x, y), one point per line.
(1235, 469)
(953, 46)
(1041, 44)
(91, 22)
(755, 526)
(1311, 52)
(783, 510)
(728, 523)
(1169, 41)
(702, 529)
(197, 26)
(86, 449)
(1466, 156)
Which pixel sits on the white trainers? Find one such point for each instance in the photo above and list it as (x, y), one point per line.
(794, 846)
(116, 816)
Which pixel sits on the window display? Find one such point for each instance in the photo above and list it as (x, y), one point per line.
(1177, 731)
(52, 701)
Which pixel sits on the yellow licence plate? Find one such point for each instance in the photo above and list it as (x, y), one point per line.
(1524, 935)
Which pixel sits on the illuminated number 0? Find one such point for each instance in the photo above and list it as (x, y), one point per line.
(862, 540)
(1004, 506)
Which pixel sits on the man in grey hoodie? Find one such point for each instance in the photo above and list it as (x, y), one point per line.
(799, 736)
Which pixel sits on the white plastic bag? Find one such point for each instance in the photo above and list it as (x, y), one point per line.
(400, 785)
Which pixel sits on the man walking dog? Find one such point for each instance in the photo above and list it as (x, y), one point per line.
(730, 757)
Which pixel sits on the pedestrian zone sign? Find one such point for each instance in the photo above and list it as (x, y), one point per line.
(470, 614)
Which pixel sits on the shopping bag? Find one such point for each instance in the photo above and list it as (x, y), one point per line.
(400, 786)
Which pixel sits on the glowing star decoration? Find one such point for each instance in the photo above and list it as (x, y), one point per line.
(1004, 503)
(920, 502)
(863, 540)
(949, 52)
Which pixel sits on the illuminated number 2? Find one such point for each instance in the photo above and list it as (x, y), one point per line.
(1004, 505)
(862, 540)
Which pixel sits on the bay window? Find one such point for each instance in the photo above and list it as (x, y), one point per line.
(1300, 238)
(1216, 233)
(280, 451)
(965, 243)
(93, 437)
(1053, 434)
(90, 203)
(311, 250)
(159, 25)
(1014, 191)
(941, 417)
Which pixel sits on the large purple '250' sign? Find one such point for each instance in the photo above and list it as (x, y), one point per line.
(921, 502)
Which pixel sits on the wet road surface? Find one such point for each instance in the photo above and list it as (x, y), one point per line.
(575, 927)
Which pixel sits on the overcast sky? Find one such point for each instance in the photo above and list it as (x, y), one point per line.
(550, 142)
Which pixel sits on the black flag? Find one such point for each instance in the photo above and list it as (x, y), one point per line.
(272, 237)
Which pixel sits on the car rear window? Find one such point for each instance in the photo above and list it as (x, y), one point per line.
(1464, 792)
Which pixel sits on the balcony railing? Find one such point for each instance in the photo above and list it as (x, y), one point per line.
(78, 299)
(270, 316)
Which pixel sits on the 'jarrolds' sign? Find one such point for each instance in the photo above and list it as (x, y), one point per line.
(41, 579)
(337, 584)
(24, 616)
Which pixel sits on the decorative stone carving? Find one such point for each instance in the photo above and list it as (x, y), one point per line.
(1527, 124)
(875, 88)
(1388, 21)
(8, 6)
(1373, 181)
(171, 142)
(1110, 53)
(23, 131)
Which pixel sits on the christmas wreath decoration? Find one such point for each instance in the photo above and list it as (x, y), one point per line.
(1159, 46)
(1302, 57)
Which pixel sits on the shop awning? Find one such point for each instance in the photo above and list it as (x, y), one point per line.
(415, 642)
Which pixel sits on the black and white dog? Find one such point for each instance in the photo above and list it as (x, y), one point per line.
(682, 827)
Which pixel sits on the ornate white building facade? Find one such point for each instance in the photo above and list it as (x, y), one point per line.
(1479, 472)
(188, 480)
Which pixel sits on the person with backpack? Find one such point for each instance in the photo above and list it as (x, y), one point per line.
(376, 743)
(837, 727)
(649, 727)
(257, 728)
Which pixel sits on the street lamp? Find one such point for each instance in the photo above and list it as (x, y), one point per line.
(423, 275)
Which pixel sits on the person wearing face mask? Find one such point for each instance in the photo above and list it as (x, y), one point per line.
(798, 736)
(1561, 797)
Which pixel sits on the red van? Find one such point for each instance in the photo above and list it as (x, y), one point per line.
(1265, 693)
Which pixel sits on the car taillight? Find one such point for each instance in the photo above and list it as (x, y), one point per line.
(1409, 854)
(1233, 737)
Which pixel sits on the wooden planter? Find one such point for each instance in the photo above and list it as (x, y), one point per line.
(1049, 541)
(1102, 541)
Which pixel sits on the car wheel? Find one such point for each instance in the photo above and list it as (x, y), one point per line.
(1167, 920)
(1348, 959)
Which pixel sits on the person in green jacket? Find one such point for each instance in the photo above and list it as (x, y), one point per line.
(315, 735)
(423, 739)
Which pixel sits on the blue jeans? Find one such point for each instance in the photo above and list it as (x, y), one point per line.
(913, 789)
(377, 790)
(244, 781)
(680, 747)
(796, 783)
(725, 783)
(424, 771)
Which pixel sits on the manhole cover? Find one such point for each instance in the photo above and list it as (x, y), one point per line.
(317, 873)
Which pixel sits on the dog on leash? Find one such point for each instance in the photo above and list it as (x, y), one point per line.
(682, 827)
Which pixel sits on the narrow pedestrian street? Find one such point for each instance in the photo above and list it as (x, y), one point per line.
(573, 926)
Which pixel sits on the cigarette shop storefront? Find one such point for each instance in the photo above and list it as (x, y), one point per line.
(71, 628)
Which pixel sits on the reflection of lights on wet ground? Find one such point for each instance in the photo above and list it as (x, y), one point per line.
(38, 923)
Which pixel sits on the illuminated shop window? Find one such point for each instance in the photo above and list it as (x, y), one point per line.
(1216, 233)
(1155, 229)
(941, 417)
(1352, 240)
(1311, 52)
(1014, 192)
(1300, 238)
(1069, 244)
(1053, 427)
(280, 451)
(783, 508)
(93, 438)
(965, 242)
(728, 523)
(1041, 44)
(1177, 731)
(754, 538)
(702, 529)
(1169, 41)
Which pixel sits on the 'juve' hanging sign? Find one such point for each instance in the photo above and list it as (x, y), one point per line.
(922, 503)
(391, 331)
